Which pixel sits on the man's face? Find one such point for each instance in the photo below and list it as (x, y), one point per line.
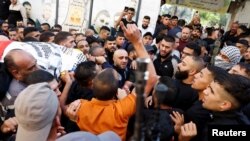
(186, 52)
(247, 55)
(234, 28)
(238, 70)
(20, 33)
(69, 42)
(105, 34)
(111, 46)
(13, 35)
(145, 22)
(34, 34)
(83, 46)
(99, 52)
(185, 34)
(120, 40)
(5, 26)
(130, 14)
(121, 59)
(196, 33)
(45, 27)
(28, 10)
(147, 40)
(184, 68)
(177, 43)
(241, 47)
(174, 22)
(73, 33)
(27, 65)
(202, 80)
(213, 97)
(19, 23)
(165, 48)
(166, 21)
(80, 37)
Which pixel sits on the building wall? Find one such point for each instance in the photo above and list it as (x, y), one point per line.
(242, 14)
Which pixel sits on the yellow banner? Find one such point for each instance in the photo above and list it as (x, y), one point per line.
(219, 6)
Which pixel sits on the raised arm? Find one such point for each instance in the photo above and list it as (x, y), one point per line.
(132, 33)
(117, 23)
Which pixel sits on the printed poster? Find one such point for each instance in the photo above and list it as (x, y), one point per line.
(40, 11)
(74, 14)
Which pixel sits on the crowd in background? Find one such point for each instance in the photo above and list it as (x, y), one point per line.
(198, 76)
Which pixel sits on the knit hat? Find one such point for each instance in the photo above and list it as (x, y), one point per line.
(233, 54)
(35, 110)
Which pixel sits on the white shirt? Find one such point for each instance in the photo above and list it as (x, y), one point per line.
(19, 7)
(149, 29)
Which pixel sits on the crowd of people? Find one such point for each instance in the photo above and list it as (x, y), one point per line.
(197, 76)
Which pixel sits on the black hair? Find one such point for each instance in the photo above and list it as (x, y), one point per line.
(195, 47)
(131, 9)
(31, 23)
(181, 22)
(243, 42)
(61, 36)
(12, 29)
(246, 67)
(38, 76)
(174, 17)
(106, 85)
(85, 72)
(119, 34)
(26, 3)
(105, 28)
(166, 15)
(236, 86)
(46, 24)
(210, 31)
(28, 30)
(146, 17)
(215, 71)
(159, 37)
(169, 97)
(110, 38)
(58, 26)
(92, 39)
(44, 37)
(169, 38)
(30, 39)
